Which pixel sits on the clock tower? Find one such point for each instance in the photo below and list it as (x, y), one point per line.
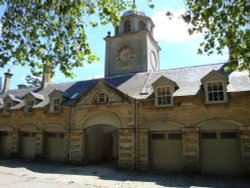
(133, 48)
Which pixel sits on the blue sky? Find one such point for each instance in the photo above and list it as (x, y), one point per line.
(178, 49)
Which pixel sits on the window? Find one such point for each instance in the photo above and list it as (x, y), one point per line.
(6, 110)
(29, 106)
(215, 92)
(164, 96)
(157, 136)
(228, 135)
(55, 105)
(208, 135)
(142, 25)
(127, 26)
(101, 97)
(174, 136)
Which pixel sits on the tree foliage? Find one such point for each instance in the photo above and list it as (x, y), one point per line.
(34, 80)
(225, 23)
(53, 32)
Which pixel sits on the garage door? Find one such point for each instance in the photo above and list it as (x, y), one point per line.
(220, 152)
(166, 151)
(5, 144)
(28, 145)
(55, 147)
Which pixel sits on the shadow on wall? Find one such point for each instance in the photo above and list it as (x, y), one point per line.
(106, 172)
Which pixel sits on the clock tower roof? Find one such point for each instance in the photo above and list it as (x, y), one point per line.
(134, 12)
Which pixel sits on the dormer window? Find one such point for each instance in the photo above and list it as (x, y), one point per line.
(215, 86)
(55, 105)
(29, 106)
(164, 89)
(164, 96)
(127, 26)
(6, 109)
(101, 98)
(215, 92)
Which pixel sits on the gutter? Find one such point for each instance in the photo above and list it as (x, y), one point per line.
(136, 118)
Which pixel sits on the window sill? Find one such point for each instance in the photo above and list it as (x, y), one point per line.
(216, 102)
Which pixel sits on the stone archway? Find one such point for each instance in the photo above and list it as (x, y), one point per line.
(220, 151)
(27, 133)
(100, 140)
(5, 140)
(166, 146)
(55, 142)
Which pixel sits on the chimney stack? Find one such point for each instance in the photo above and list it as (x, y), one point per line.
(8, 76)
(47, 76)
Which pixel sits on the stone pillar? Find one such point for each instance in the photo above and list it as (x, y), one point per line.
(15, 144)
(191, 149)
(75, 146)
(245, 148)
(40, 139)
(66, 146)
(142, 163)
(126, 149)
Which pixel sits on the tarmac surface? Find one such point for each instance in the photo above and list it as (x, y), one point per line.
(30, 174)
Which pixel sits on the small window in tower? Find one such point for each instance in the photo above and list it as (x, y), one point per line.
(142, 25)
(127, 26)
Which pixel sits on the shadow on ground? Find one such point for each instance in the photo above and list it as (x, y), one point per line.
(108, 172)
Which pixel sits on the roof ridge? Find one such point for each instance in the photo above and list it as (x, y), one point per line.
(194, 66)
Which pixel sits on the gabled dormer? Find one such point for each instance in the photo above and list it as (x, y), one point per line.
(102, 93)
(8, 102)
(215, 87)
(56, 97)
(30, 100)
(164, 89)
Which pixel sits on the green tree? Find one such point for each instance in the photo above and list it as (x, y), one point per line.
(225, 24)
(34, 80)
(40, 33)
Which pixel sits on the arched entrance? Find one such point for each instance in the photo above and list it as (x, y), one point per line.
(220, 147)
(28, 141)
(165, 146)
(100, 143)
(5, 140)
(54, 142)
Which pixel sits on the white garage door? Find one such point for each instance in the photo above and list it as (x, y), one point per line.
(166, 151)
(220, 152)
(5, 144)
(55, 147)
(28, 145)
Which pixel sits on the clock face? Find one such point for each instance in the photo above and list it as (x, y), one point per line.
(125, 56)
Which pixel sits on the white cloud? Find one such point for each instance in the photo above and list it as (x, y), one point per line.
(95, 76)
(174, 30)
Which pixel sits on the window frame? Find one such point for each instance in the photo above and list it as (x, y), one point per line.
(29, 108)
(98, 97)
(6, 108)
(53, 105)
(127, 26)
(224, 90)
(171, 88)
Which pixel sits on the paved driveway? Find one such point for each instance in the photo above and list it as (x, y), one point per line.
(21, 173)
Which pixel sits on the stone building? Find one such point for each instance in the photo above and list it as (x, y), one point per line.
(194, 119)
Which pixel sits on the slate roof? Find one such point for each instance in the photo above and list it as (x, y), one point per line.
(135, 85)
